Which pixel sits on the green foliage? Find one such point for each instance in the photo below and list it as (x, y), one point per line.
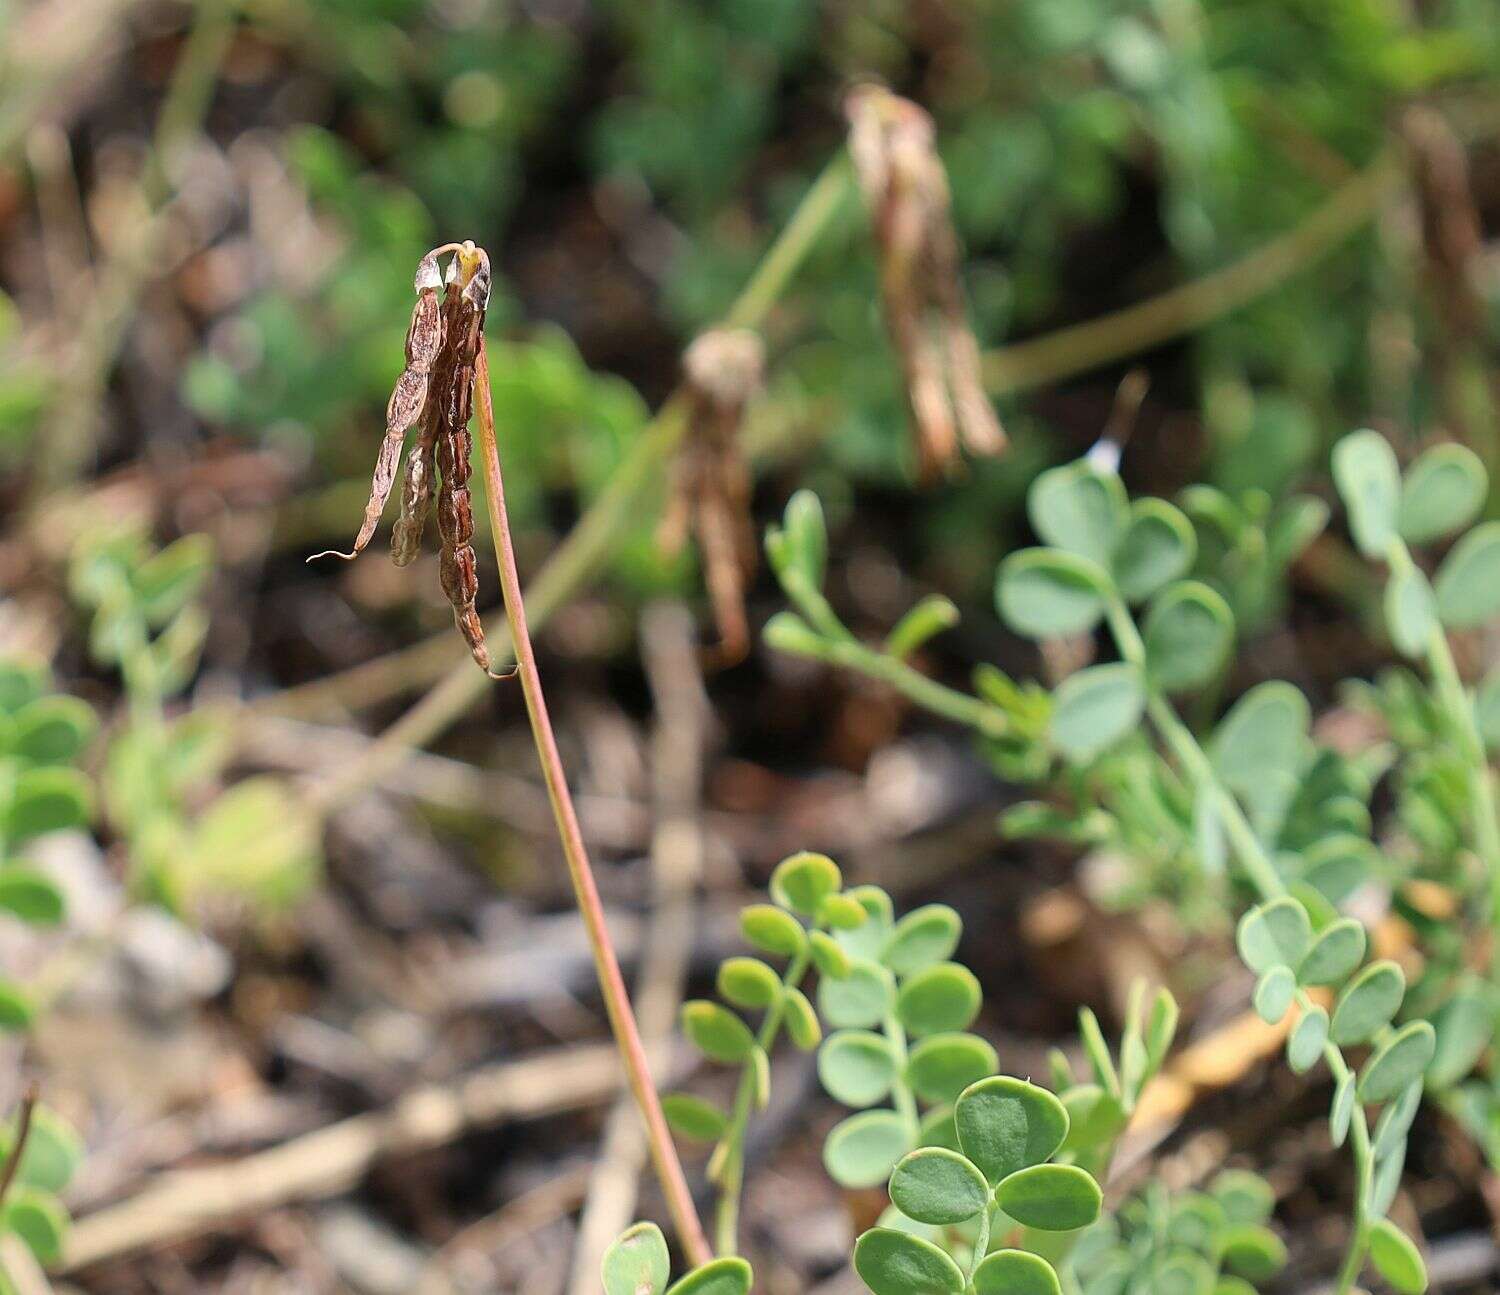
(1250, 801)
(637, 1263)
(1191, 1242)
(258, 839)
(49, 1160)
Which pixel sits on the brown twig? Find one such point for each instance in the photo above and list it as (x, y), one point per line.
(18, 1148)
(330, 1160)
(611, 982)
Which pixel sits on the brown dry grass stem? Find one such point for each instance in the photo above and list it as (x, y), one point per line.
(612, 984)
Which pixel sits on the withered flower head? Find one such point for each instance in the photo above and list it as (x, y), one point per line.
(435, 393)
(711, 482)
(892, 144)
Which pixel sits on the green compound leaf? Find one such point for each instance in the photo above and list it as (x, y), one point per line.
(47, 800)
(1079, 509)
(22, 680)
(1182, 1273)
(862, 1150)
(788, 632)
(1006, 1124)
(731, 1276)
(801, 1021)
(938, 1130)
(748, 982)
(1161, 1028)
(938, 999)
(637, 1262)
(1189, 630)
(859, 1000)
(801, 545)
(1387, 1181)
(1341, 1110)
(1411, 613)
(30, 896)
(926, 620)
(760, 1074)
(1368, 1003)
(16, 1010)
(694, 1118)
(856, 1067)
(1468, 582)
(1015, 1272)
(1050, 1198)
(1158, 547)
(1274, 935)
(867, 939)
(1442, 492)
(804, 880)
(1396, 1258)
(1095, 707)
(1398, 1062)
(1338, 949)
(1044, 593)
(941, 1066)
(773, 931)
(1304, 1046)
(936, 1186)
(1464, 1026)
(1369, 481)
(925, 935)
(53, 730)
(1094, 1117)
(39, 1220)
(1265, 732)
(1487, 709)
(1273, 994)
(167, 581)
(828, 955)
(1243, 1196)
(896, 1263)
(1252, 1252)
(1396, 1120)
(842, 913)
(716, 1032)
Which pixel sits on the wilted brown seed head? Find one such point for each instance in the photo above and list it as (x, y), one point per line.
(726, 365)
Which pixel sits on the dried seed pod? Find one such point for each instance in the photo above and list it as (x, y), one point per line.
(891, 142)
(463, 310)
(711, 486)
(437, 388)
(424, 340)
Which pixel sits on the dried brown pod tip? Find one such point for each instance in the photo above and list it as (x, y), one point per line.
(711, 480)
(436, 389)
(892, 144)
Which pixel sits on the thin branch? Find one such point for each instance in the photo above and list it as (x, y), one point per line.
(611, 982)
(18, 1148)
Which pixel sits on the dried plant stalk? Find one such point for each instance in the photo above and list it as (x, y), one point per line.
(711, 485)
(424, 344)
(891, 141)
(437, 387)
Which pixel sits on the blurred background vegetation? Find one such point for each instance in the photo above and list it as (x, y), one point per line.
(1284, 211)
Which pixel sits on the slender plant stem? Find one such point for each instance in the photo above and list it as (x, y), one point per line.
(18, 1147)
(960, 707)
(611, 982)
(732, 1176)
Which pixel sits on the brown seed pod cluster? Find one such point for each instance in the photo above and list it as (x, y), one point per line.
(437, 388)
(711, 484)
(891, 142)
